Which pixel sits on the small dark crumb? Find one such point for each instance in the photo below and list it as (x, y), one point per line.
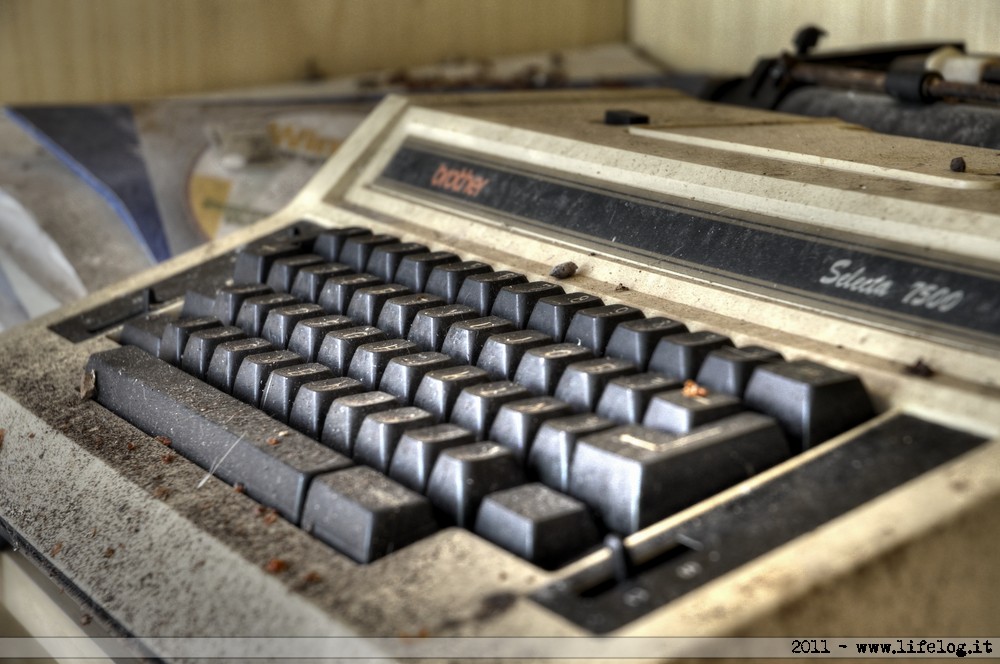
(591, 253)
(919, 368)
(239, 488)
(621, 288)
(3, 432)
(502, 576)
(93, 533)
(130, 446)
(88, 385)
(56, 548)
(275, 566)
(168, 457)
(957, 165)
(31, 436)
(85, 619)
(273, 441)
(312, 576)
(108, 552)
(198, 565)
(161, 492)
(494, 605)
(564, 270)
(163, 440)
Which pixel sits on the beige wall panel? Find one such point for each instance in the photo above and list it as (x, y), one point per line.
(729, 35)
(63, 50)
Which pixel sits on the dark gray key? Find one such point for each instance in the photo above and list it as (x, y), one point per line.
(583, 383)
(625, 399)
(358, 249)
(440, 388)
(542, 367)
(673, 412)
(256, 369)
(403, 374)
(344, 418)
(418, 450)
(502, 353)
(307, 337)
(635, 340)
(337, 292)
(313, 400)
(254, 311)
(446, 280)
(515, 303)
(464, 475)
(330, 242)
(551, 454)
(364, 514)
(280, 322)
(680, 355)
(398, 313)
(229, 299)
(228, 357)
(728, 370)
(385, 259)
(465, 339)
(366, 303)
(541, 525)
(339, 346)
(380, 433)
(479, 291)
(176, 334)
(477, 406)
(553, 314)
(201, 347)
(281, 277)
(146, 332)
(430, 326)
(592, 327)
(199, 301)
(283, 385)
(812, 402)
(634, 476)
(309, 280)
(370, 360)
(415, 269)
(255, 261)
(222, 435)
(517, 422)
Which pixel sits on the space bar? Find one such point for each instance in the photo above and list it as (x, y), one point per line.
(236, 442)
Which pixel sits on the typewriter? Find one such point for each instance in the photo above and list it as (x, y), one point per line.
(556, 364)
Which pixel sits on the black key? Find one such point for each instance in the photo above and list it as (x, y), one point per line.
(370, 360)
(680, 355)
(256, 369)
(283, 385)
(380, 433)
(415, 269)
(673, 412)
(552, 452)
(398, 313)
(812, 402)
(440, 388)
(402, 376)
(364, 514)
(255, 261)
(592, 327)
(337, 292)
(515, 303)
(728, 370)
(517, 422)
(446, 280)
(145, 332)
(503, 352)
(635, 340)
(339, 346)
(280, 322)
(479, 291)
(430, 326)
(254, 311)
(542, 367)
(230, 299)
(583, 383)
(307, 337)
(344, 418)
(418, 450)
(385, 259)
(228, 357)
(634, 476)
(201, 347)
(313, 400)
(329, 243)
(477, 406)
(464, 475)
(553, 314)
(214, 430)
(466, 338)
(284, 270)
(310, 280)
(358, 249)
(176, 334)
(199, 301)
(366, 303)
(625, 399)
(542, 526)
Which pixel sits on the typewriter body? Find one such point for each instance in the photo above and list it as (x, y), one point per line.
(816, 239)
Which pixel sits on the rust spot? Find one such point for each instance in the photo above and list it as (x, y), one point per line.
(130, 446)
(312, 576)
(275, 566)
(161, 492)
(163, 440)
(273, 441)
(239, 488)
(270, 516)
(109, 552)
(693, 389)
(168, 457)
(56, 548)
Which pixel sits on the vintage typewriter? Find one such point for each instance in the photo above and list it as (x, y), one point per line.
(539, 364)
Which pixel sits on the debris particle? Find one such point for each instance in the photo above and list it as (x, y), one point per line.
(130, 446)
(93, 533)
(591, 253)
(88, 385)
(919, 368)
(85, 619)
(957, 165)
(312, 576)
(239, 488)
(31, 436)
(621, 288)
(270, 516)
(693, 389)
(168, 457)
(260, 510)
(3, 432)
(564, 270)
(109, 552)
(56, 548)
(163, 440)
(161, 492)
(275, 566)
(273, 441)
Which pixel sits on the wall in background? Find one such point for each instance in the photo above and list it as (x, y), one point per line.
(90, 50)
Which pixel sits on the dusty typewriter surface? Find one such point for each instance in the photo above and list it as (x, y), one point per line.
(770, 377)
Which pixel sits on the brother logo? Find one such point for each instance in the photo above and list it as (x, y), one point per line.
(459, 180)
